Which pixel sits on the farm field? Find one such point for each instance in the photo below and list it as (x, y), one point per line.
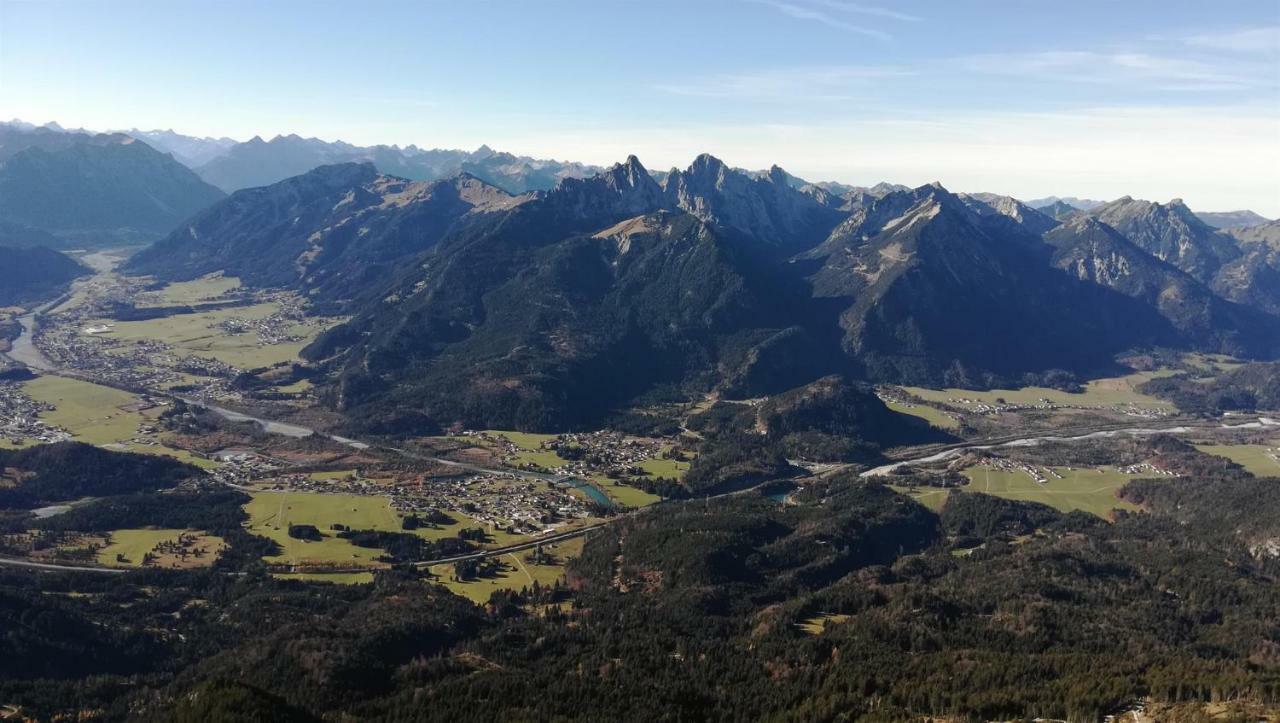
(271, 513)
(199, 334)
(1087, 489)
(89, 411)
(205, 288)
(518, 572)
(1099, 392)
(134, 544)
(524, 440)
(658, 467)
(1259, 459)
(625, 495)
(933, 416)
(931, 497)
(93, 414)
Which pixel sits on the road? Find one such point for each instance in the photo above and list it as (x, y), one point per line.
(10, 562)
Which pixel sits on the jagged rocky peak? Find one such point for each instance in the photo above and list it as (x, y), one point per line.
(624, 189)
(631, 174)
(987, 205)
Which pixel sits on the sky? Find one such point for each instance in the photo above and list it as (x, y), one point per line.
(1093, 98)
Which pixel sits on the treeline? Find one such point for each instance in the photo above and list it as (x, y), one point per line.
(1252, 387)
(70, 470)
(990, 610)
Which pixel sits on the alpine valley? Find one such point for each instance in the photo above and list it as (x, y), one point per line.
(299, 430)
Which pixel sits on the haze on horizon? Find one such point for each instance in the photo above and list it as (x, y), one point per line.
(1093, 99)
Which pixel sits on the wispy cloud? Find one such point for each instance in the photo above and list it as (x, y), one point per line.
(1153, 72)
(1265, 40)
(810, 12)
(871, 10)
(828, 83)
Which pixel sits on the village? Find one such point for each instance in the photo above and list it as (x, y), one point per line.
(106, 336)
(20, 422)
(978, 406)
(580, 454)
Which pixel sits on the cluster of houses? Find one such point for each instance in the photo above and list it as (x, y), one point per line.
(141, 364)
(20, 418)
(979, 406)
(278, 328)
(1145, 469)
(515, 504)
(582, 454)
(1041, 475)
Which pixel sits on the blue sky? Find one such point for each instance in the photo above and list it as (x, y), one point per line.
(1027, 97)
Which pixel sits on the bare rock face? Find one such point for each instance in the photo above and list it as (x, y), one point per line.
(1170, 232)
(768, 209)
(1095, 252)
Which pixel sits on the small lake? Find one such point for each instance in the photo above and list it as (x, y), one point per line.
(593, 492)
(778, 491)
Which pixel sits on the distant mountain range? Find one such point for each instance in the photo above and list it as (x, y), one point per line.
(93, 189)
(259, 163)
(190, 151)
(1232, 219)
(1083, 204)
(555, 309)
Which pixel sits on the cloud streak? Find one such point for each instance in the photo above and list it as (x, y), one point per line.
(806, 12)
(1265, 40)
(870, 10)
(1142, 70)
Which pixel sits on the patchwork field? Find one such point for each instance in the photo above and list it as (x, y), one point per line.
(271, 513)
(127, 548)
(200, 334)
(203, 289)
(1090, 490)
(1097, 393)
(1259, 459)
(94, 414)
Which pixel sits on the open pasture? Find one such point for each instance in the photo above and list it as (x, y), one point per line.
(204, 289)
(1260, 459)
(200, 334)
(518, 572)
(1087, 489)
(133, 545)
(931, 497)
(933, 416)
(99, 415)
(1112, 391)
